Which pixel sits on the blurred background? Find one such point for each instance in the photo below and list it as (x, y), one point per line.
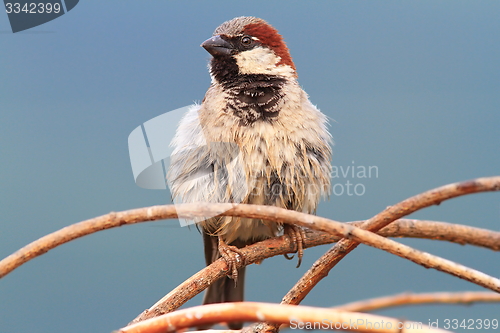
(411, 88)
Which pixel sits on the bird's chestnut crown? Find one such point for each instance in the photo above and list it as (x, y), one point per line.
(243, 34)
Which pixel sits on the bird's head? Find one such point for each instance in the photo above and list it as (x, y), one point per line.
(248, 45)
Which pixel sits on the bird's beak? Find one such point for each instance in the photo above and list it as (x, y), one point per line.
(217, 46)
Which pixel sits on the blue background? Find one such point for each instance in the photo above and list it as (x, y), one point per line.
(411, 87)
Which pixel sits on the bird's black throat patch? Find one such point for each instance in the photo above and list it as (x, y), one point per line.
(253, 97)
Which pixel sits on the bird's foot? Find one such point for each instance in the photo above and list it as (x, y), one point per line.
(231, 255)
(297, 236)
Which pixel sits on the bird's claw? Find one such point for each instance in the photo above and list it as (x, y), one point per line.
(231, 255)
(297, 236)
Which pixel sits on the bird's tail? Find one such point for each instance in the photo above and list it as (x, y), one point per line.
(225, 289)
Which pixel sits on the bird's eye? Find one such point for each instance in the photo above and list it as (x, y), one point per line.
(245, 40)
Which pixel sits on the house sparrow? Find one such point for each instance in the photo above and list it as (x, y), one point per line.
(256, 138)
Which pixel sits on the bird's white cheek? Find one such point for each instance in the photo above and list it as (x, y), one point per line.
(260, 61)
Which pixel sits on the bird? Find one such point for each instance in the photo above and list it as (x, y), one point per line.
(256, 138)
